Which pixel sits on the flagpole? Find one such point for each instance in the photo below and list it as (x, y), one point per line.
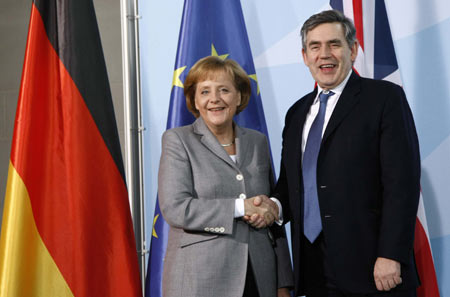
(133, 124)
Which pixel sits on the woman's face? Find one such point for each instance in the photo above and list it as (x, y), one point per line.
(217, 99)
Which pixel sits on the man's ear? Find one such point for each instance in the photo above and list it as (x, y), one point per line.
(304, 56)
(354, 50)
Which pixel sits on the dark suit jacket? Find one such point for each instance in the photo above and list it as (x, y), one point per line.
(368, 180)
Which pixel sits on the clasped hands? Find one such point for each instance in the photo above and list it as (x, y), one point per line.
(260, 211)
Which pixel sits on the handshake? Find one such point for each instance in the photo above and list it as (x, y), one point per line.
(260, 211)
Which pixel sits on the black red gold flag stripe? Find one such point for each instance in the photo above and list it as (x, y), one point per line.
(67, 229)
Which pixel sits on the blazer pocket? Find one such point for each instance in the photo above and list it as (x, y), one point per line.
(193, 238)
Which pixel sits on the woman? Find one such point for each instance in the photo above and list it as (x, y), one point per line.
(207, 171)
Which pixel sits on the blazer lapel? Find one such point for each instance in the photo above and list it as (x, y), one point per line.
(241, 145)
(210, 141)
(345, 104)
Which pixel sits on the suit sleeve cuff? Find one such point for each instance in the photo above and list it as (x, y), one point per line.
(279, 222)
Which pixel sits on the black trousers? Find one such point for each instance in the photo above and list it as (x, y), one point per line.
(250, 290)
(320, 278)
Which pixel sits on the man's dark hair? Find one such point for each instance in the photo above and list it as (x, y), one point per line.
(329, 16)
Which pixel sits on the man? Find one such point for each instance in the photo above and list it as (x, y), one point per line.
(350, 171)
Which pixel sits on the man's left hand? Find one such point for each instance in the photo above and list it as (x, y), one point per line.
(387, 274)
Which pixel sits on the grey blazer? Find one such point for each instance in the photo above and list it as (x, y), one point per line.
(208, 249)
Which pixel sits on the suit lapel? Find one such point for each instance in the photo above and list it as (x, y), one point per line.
(293, 157)
(295, 132)
(241, 145)
(210, 141)
(345, 104)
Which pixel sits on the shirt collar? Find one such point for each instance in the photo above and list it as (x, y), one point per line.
(338, 89)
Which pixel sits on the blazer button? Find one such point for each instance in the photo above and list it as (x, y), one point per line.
(239, 177)
(242, 196)
(217, 229)
(221, 229)
(207, 229)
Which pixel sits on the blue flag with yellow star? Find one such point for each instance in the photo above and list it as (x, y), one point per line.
(208, 28)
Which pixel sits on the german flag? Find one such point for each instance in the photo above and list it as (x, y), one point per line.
(67, 229)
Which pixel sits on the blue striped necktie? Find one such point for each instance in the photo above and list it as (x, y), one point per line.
(312, 223)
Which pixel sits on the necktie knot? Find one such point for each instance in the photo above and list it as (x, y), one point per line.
(324, 97)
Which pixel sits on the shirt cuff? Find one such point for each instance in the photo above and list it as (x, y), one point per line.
(280, 211)
(239, 208)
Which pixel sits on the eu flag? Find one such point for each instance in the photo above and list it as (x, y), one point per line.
(208, 28)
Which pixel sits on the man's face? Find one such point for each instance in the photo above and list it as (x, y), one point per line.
(328, 54)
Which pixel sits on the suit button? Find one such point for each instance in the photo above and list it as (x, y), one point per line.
(239, 177)
(242, 196)
(221, 229)
(323, 187)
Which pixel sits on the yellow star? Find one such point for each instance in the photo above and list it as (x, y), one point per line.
(176, 77)
(154, 223)
(253, 76)
(214, 53)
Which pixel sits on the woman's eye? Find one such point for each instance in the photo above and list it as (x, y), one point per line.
(204, 92)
